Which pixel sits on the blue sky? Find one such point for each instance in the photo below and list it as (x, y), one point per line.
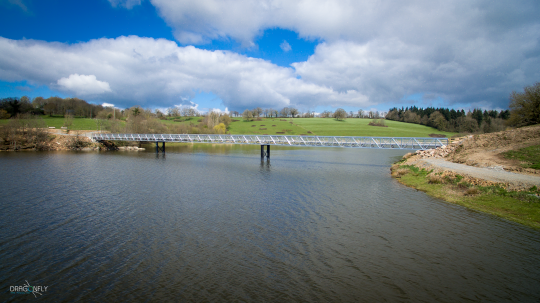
(315, 55)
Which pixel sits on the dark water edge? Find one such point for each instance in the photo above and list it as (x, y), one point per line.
(211, 223)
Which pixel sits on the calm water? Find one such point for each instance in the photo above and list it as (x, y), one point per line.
(212, 223)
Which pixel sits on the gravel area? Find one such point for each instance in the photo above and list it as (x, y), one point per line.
(494, 174)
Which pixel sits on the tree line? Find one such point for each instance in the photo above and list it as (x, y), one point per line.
(11, 107)
(451, 120)
(292, 112)
(524, 110)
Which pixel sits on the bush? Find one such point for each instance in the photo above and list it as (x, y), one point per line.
(435, 179)
(398, 173)
(472, 191)
(377, 122)
(76, 142)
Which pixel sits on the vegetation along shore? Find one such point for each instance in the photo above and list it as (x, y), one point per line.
(496, 173)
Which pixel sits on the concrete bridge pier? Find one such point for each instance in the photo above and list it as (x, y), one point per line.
(162, 149)
(267, 154)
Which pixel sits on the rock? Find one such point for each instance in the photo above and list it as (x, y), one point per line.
(122, 148)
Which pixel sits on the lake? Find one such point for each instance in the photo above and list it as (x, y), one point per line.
(214, 223)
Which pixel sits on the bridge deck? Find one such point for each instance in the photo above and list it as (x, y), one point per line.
(312, 141)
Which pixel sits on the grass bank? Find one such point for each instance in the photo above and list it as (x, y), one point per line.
(521, 207)
(360, 127)
(528, 156)
(329, 127)
(319, 127)
(58, 121)
(283, 126)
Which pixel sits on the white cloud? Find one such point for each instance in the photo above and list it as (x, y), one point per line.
(105, 104)
(217, 110)
(156, 72)
(387, 70)
(285, 46)
(420, 21)
(194, 105)
(83, 85)
(461, 51)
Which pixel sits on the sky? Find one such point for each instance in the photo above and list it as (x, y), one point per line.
(240, 54)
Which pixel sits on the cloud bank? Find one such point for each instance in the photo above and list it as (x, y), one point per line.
(157, 72)
(462, 51)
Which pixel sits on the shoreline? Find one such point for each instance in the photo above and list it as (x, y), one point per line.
(492, 186)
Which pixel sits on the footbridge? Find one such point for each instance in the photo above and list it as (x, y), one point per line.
(283, 140)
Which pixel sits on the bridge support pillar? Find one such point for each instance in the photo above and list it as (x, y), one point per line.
(265, 154)
(162, 149)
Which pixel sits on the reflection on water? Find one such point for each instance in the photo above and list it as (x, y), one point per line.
(215, 223)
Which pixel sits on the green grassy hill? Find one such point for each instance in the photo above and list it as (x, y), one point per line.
(268, 126)
(331, 127)
(274, 126)
(360, 127)
(78, 123)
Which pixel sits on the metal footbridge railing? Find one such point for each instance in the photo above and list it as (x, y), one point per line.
(308, 141)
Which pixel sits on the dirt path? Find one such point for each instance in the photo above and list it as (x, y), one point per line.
(480, 157)
(496, 174)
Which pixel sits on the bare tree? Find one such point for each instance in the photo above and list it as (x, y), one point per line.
(68, 121)
(212, 119)
(326, 114)
(247, 115)
(293, 111)
(257, 111)
(285, 112)
(340, 114)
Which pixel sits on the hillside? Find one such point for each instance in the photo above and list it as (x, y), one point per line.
(285, 126)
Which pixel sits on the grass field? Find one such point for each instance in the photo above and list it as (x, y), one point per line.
(78, 123)
(182, 120)
(360, 127)
(274, 126)
(320, 127)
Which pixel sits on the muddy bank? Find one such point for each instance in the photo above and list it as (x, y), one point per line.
(52, 140)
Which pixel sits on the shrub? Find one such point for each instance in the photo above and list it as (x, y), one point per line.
(378, 122)
(398, 173)
(220, 128)
(76, 142)
(472, 191)
(463, 185)
(435, 179)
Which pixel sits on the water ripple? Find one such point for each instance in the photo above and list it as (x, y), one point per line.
(216, 224)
